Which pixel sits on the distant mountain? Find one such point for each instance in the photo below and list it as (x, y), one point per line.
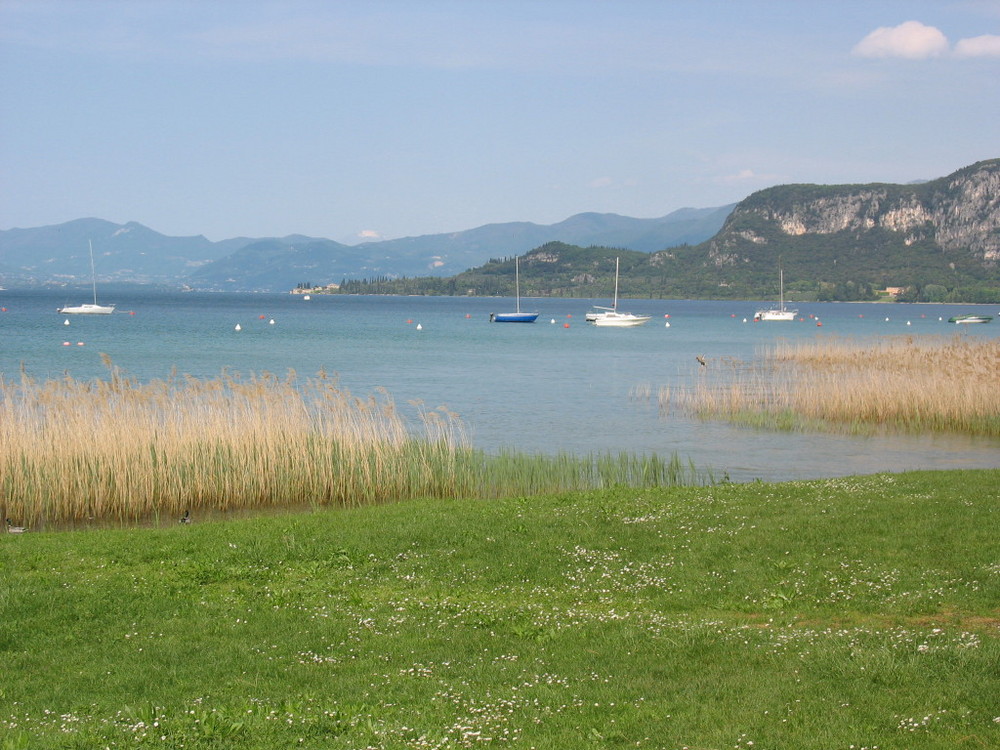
(942, 233)
(937, 240)
(132, 253)
(123, 252)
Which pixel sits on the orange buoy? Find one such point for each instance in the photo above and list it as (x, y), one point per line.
(565, 325)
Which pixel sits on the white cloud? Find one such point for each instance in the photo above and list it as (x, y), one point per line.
(987, 45)
(912, 40)
(611, 183)
(742, 176)
(747, 176)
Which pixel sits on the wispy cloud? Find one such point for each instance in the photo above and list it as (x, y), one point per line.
(912, 40)
(747, 176)
(915, 41)
(987, 45)
(604, 183)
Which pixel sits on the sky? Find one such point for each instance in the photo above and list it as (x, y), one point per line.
(351, 119)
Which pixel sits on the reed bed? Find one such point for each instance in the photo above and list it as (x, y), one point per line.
(897, 383)
(122, 451)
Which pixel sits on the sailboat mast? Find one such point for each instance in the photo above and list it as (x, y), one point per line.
(616, 286)
(93, 272)
(517, 283)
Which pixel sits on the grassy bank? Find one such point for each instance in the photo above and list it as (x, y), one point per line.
(898, 383)
(842, 614)
(118, 451)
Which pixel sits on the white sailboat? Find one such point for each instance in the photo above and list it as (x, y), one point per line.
(610, 317)
(780, 312)
(88, 308)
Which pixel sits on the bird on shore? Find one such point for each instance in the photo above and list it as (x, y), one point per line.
(701, 360)
(186, 518)
(12, 529)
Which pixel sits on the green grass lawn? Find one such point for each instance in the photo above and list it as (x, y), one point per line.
(840, 614)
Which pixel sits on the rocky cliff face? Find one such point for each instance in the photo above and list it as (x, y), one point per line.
(960, 214)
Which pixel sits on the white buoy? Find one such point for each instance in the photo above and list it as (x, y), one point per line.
(419, 327)
(667, 324)
(907, 322)
(66, 322)
(238, 327)
(271, 322)
(744, 320)
(553, 320)
(886, 320)
(306, 297)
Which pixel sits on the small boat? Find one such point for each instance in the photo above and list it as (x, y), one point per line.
(88, 308)
(518, 316)
(613, 318)
(610, 317)
(971, 319)
(780, 312)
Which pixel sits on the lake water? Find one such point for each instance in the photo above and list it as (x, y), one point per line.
(559, 385)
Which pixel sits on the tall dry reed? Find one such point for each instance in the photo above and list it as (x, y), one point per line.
(118, 450)
(903, 383)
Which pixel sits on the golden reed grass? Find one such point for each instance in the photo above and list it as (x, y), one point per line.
(123, 451)
(903, 383)
(76, 452)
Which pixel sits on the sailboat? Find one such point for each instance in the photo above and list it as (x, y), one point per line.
(518, 316)
(88, 308)
(610, 317)
(780, 312)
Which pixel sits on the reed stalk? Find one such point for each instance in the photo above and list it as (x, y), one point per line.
(121, 451)
(900, 383)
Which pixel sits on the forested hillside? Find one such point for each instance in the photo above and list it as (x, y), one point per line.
(938, 241)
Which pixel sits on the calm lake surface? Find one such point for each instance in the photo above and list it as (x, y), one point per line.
(559, 385)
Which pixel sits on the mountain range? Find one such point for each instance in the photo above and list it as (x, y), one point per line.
(935, 241)
(134, 254)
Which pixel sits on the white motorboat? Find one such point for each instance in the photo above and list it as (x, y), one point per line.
(613, 318)
(970, 319)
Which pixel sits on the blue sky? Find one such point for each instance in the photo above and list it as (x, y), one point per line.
(394, 118)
